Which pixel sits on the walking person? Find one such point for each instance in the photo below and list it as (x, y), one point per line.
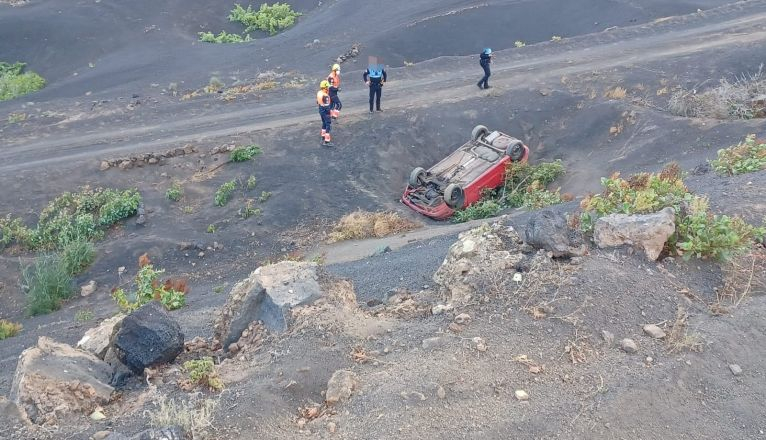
(324, 102)
(334, 80)
(484, 60)
(375, 78)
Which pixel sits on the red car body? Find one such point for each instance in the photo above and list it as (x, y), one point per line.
(458, 180)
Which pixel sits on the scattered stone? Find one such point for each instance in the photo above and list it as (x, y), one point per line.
(654, 331)
(648, 232)
(148, 337)
(521, 395)
(351, 53)
(549, 230)
(120, 270)
(480, 344)
(97, 339)
(340, 387)
(171, 433)
(608, 337)
(88, 289)
(440, 393)
(735, 369)
(152, 160)
(441, 308)
(101, 435)
(431, 343)
(54, 379)
(381, 250)
(628, 345)
(331, 427)
(104, 165)
(201, 254)
(97, 415)
(517, 277)
(463, 319)
(267, 295)
(141, 220)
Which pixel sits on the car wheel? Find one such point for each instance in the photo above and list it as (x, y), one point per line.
(417, 177)
(515, 151)
(454, 196)
(479, 132)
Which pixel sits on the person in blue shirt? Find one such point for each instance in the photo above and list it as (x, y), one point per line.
(484, 59)
(375, 77)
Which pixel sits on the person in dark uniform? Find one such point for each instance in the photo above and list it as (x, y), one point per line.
(375, 77)
(484, 59)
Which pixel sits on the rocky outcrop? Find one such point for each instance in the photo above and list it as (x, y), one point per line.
(140, 160)
(54, 379)
(97, 340)
(340, 387)
(478, 256)
(267, 295)
(549, 230)
(648, 232)
(148, 337)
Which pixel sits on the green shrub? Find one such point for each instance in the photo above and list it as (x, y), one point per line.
(77, 256)
(699, 233)
(175, 192)
(148, 288)
(9, 329)
(84, 315)
(211, 229)
(265, 195)
(202, 372)
(481, 209)
(269, 18)
(223, 195)
(248, 211)
(46, 283)
(72, 217)
(15, 82)
(251, 183)
(746, 157)
(243, 154)
(222, 37)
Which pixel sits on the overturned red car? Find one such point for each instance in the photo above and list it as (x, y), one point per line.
(459, 179)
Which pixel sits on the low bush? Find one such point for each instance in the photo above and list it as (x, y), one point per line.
(699, 233)
(222, 37)
(223, 194)
(741, 99)
(195, 417)
(251, 183)
(248, 211)
(746, 157)
(265, 195)
(72, 217)
(175, 192)
(9, 329)
(47, 283)
(202, 372)
(15, 81)
(269, 18)
(148, 288)
(482, 209)
(77, 256)
(243, 154)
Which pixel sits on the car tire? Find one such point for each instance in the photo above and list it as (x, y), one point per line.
(417, 177)
(454, 196)
(479, 132)
(515, 151)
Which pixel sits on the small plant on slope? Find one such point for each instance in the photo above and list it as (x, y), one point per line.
(202, 372)
(9, 329)
(746, 157)
(223, 195)
(269, 18)
(15, 81)
(148, 288)
(243, 154)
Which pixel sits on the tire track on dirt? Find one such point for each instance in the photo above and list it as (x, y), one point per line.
(418, 85)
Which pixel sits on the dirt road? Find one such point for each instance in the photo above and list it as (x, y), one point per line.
(729, 26)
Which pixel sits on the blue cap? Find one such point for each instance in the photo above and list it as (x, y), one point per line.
(487, 51)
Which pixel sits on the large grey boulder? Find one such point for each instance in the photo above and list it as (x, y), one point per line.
(549, 230)
(478, 257)
(267, 295)
(54, 379)
(148, 337)
(647, 232)
(98, 339)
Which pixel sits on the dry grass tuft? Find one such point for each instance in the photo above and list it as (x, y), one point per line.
(194, 416)
(679, 338)
(616, 93)
(744, 275)
(363, 224)
(741, 99)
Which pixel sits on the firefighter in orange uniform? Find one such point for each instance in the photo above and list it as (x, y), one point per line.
(334, 80)
(325, 104)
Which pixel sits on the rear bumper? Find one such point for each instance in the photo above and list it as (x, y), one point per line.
(438, 212)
